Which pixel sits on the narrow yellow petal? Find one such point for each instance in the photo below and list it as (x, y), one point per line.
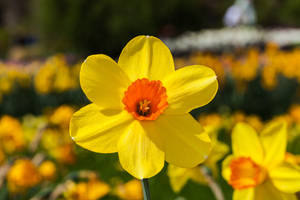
(189, 88)
(178, 177)
(226, 171)
(146, 57)
(245, 142)
(244, 194)
(286, 196)
(103, 81)
(273, 139)
(196, 175)
(138, 154)
(97, 130)
(219, 150)
(184, 141)
(286, 177)
(268, 191)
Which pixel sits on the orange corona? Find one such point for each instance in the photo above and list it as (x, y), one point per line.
(245, 173)
(145, 99)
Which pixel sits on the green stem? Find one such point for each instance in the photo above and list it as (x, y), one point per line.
(146, 190)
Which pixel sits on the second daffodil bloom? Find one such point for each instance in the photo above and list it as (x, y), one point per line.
(257, 169)
(140, 108)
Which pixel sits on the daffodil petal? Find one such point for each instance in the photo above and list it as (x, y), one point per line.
(146, 57)
(103, 81)
(286, 177)
(184, 141)
(97, 130)
(138, 153)
(226, 171)
(245, 142)
(286, 196)
(189, 88)
(196, 175)
(178, 177)
(219, 150)
(273, 139)
(268, 191)
(244, 194)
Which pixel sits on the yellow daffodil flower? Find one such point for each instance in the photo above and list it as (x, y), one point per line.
(47, 170)
(257, 169)
(22, 175)
(93, 189)
(141, 108)
(179, 176)
(62, 116)
(11, 134)
(293, 159)
(132, 190)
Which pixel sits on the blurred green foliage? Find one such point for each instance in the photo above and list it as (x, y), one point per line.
(90, 26)
(94, 26)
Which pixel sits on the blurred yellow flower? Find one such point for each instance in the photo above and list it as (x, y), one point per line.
(6, 84)
(293, 159)
(11, 134)
(47, 170)
(269, 77)
(246, 69)
(52, 138)
(141, 108)
(211, 61)
(255, 122)
(257, 169)
(252, 120)
(210, 120)
(91, 190)
(64, 153)
(31, 125)
(2, 157)
(132, 190)
(295, 113)
(55, 76)
(22, 175)
(62, 116)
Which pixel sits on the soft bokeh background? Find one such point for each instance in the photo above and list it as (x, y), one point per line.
(42, 45)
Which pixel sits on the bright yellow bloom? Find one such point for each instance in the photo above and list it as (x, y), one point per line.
(55, 76)
(62, 116)
(293, 159)
(132, 190)
(141, 108)
(11, 134)
(47, 170)
(257, 169)
(64, 153)
(58, 144)
(91, 190)
(179, 176)
(295, 113)
(22, 175)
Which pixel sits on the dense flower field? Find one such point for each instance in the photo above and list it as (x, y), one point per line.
(39, 160)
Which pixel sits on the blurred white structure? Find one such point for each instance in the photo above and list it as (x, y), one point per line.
(220, 39)
(241, 12)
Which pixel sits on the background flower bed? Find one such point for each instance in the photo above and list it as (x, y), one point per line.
(38, 97)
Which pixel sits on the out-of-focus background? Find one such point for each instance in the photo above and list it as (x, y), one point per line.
(253, 46)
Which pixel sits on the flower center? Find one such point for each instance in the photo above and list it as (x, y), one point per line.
(245, 173)
(145, 99)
